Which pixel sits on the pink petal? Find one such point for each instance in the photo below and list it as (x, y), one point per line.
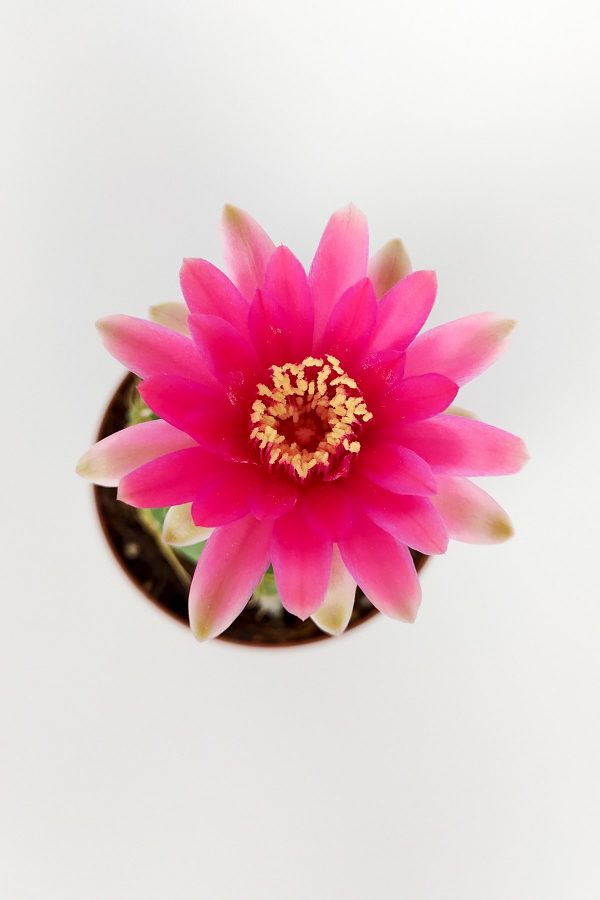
(388, 266)
(411, 520)
(287, 285)
(340, 261)
(334, 613)
(231, 490)
(301, 563)
(201, 411)
(395, 468)
(462, 349)
(470, 514)
(247, 250)
(380, 374)
(384, 569)
(149, 349)
(171, 315)
(225, 493)
(169, 480)
(115, 456)
(228, 355)
(329, 509)
(415, 398)
(233, 562)
(403, 311)
(351, 322)
(273, 496)
(454, 445)
(267, 324)
(208, 291)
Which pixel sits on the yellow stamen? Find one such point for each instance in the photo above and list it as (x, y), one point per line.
(307, 421)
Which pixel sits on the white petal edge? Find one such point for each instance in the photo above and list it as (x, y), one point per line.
(334, 613)
(172, 315)
(460, 411)
(388, 266)
(180, 530)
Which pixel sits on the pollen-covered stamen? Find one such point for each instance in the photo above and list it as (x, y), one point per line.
(309, 415)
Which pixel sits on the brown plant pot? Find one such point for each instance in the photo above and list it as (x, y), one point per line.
(140, 556)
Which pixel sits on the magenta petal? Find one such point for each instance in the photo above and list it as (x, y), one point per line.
(281, 316)
(267, 324)
(395, 468)
(169, 480)
(233, 562)
(208, 291)
(340, 261)
(454, 445)
(384, 569)
(150, 349)
(351, 322)
(461, 349)
(273, 496)
(301, 563)
(115, 456)
(202, 411)
(411, 520)
(416, 398)
(228, 354)
(287, 285)
(380, 374)
(225, 493)
(329, 509)
(470, 513)
(247, 250)
(403, 311)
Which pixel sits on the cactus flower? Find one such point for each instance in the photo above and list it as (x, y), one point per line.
(303, 422)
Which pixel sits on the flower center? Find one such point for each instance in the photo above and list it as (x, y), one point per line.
(309, 417)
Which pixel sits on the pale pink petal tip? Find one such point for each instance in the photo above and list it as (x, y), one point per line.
(384, 569)
(108, 461)
(455, 445)
(247, 249)
(179, 529)
(461, 349)
(231, 566)
(339, 262)
(147, 348)
(470, 514)
(334, 613)
(103, 325)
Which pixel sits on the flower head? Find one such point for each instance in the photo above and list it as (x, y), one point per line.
(303, 422)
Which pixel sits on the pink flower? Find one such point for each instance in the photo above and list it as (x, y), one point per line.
(305, 423)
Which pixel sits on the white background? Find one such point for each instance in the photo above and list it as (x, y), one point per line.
(456, 759)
